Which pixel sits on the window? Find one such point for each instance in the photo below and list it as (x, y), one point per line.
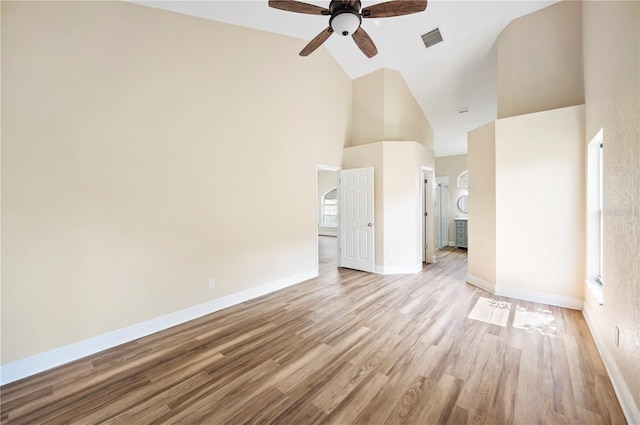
(463, 179)
(600, 208)
(595, 215)
(330, 208)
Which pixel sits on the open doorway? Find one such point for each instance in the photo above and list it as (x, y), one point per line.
(327, 217)
(427, 214)
(441, 212)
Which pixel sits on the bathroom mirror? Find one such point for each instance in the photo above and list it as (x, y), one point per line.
(463, 204)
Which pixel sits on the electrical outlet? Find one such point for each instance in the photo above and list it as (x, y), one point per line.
(617, 336)
(533, 275)
(212, 283)
(389, 254)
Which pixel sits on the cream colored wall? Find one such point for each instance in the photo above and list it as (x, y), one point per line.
(403, 203)
(481, 160)
(392, 103)
(384, 109)
(540, 79)
(540, 61)
(327, 180)
(368, 109)
(526, 205)
(452, 167)
(130, 143)
(611, 32)
(404, 118)
(539, 165)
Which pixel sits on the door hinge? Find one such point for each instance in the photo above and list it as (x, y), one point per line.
(426, 214)
(426, 181)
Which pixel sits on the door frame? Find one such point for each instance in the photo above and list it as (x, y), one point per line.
(368, 224)
(325, 167)
(437, 209)
(427, 205)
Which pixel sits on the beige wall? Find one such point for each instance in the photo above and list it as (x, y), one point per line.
(452, 167)
(611, 33)
(384, 109)
(481, 160)
(131, 142)
(403, 203)
(404, 118)
(368, 109)
(526, 205)
(540, 61)
(539, 166)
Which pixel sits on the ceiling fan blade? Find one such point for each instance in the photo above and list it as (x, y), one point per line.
(394, 8)
(365, 43)
(299, 7)
(316, 42)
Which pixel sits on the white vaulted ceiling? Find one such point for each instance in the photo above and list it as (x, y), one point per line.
(459, 72)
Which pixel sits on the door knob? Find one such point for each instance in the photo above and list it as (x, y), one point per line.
(370, 224)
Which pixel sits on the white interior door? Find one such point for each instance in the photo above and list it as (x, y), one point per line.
(356, 219)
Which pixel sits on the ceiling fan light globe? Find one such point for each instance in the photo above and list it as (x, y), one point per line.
(345, 23)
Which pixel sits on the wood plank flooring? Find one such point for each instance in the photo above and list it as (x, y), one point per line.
(345, 348)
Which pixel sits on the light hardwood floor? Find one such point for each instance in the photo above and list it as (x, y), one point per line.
(347, 347)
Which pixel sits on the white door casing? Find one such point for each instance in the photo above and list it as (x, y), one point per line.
(426, 214)
(425, 218)
(356, 225)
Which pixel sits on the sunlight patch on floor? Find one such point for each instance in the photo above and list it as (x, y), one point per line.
(491, 311)
(540, 321)
(496, 312)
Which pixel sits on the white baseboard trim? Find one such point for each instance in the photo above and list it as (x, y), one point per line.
(628, 404)
(481, 283)
(452, 243)
(526, 294)
(23, 368)
(539, 297)
(410, 269)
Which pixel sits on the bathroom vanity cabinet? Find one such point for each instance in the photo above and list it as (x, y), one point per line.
(461, 232)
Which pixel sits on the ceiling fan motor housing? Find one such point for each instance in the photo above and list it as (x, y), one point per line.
(345, 18)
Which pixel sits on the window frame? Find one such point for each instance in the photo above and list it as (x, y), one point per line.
(330, 204)
(595, 211)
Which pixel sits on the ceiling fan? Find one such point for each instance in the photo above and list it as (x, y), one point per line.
(346, 17)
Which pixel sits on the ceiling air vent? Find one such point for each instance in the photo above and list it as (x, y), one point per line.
(432, 37)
